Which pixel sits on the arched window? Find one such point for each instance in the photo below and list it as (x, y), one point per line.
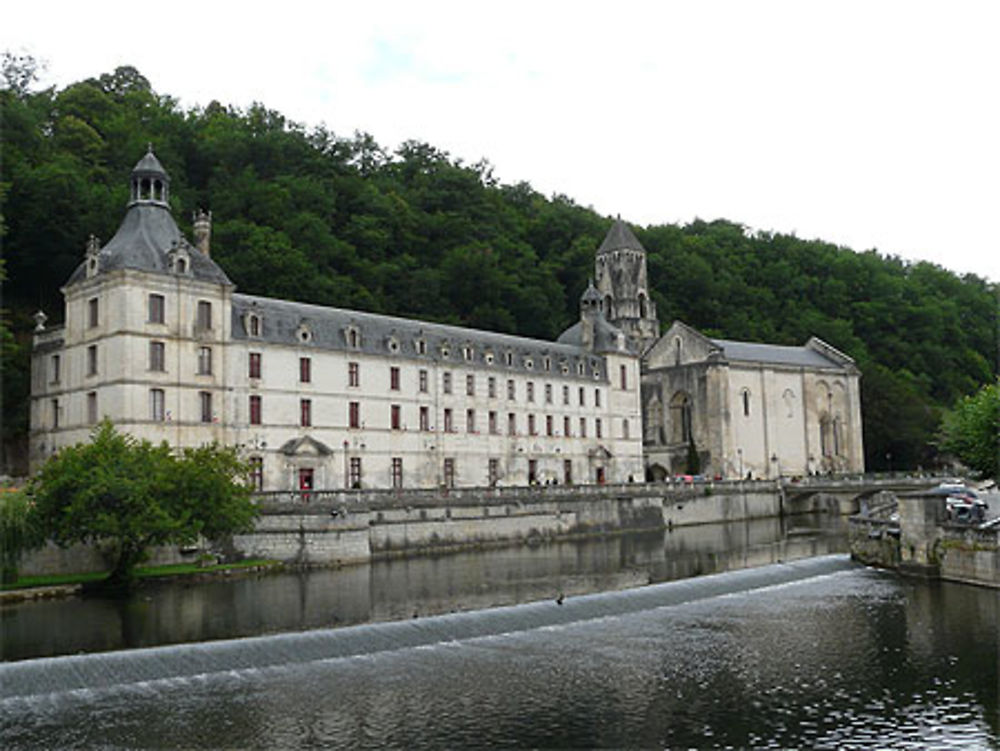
(642, 305)
(607, 306)
(677, 350)
(680, 418)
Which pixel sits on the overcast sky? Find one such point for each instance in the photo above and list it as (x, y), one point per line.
(869, 124)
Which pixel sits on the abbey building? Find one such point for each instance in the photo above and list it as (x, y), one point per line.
(157, 339)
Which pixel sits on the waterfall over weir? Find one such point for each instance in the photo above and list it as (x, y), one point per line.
(51, 677)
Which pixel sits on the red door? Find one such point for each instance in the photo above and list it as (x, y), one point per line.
(305, 482)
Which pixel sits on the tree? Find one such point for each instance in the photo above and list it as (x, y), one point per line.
(18, 532)
(126, 495)
(971, 431)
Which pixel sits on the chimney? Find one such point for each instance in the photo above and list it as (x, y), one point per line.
(203, 231)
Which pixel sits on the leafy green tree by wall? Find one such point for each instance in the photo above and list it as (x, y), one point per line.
(971, 431)
(126, 495)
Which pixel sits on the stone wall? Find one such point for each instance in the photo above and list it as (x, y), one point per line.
(342, 527)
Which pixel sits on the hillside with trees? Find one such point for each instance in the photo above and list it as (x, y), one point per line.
(311, 215)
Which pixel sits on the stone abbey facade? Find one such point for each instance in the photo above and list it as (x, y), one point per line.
(157, 339)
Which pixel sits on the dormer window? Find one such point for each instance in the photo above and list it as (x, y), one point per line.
(303, 334)
(509, 357)
(91, 267)
(352, 336)
(579, 368)
(392, 344)
(547, 363)
(445, 349)
(488, 358)
(529, 363)
(253, 324)
(467, 352)
(421, 346)
(564, 367)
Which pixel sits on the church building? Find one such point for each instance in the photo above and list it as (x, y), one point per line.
(157, 339)
(724, 408)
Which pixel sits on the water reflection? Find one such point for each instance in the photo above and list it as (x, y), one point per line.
(403, 588)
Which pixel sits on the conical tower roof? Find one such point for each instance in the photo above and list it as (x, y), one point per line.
(620, 237)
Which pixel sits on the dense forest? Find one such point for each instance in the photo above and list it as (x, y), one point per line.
(311, 215)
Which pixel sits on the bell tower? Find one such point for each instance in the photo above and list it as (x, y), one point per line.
(621, 280)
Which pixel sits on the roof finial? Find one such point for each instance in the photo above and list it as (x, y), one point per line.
(149, 147)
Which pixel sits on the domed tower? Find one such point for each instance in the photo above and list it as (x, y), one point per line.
(620, 272)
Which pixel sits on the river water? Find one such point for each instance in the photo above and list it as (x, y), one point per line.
(745, 635)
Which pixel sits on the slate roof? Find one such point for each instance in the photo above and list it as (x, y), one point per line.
(605, 336)
(774, 354)
(620, 237)
(147, 233)
(282, 322)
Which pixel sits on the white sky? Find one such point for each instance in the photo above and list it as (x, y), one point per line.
(871, 124)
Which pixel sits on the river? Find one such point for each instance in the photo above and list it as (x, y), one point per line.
(728, 635)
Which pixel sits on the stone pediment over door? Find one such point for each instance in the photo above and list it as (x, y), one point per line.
(305, 446)
(599, 453)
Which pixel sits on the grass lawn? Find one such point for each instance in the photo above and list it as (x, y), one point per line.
(143, 572)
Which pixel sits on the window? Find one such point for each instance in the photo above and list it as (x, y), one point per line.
(491, 387)
(449, 473)
(547, 363)
(354, 415)
(597, 397)
(55, 413)
(493, 472)
(511, 389)
(597, 427)
(492, 421)
(446, 383)
(421, 347)
(353, 338)
(625, 429)
(395, 417)
(531, 391)
(56, 363)
(157, 356)
(509, 358)
(448, 424)
(566, 427)
(92, 319)
(565, 395)
(583, 427)
(255, 364)
(583, 397)
(470, 421)
(397, 472)
(305, 412)
(470, 385)
(467, 353)
(532, 471)
(204, 361)
(531, 425)
(422, 381)
(205, 399)
(511, 423)
(548, 393)
(92, 407)
(204, 321)
(425, 419)
(353, 374)
(255, 410)
(254, 325)
(394, 378)
(92, 360)
(156, 309)
(548, 425)
(568, 471)
(156, 403)
(624, 374)
(354, 476)
(305, 369)
(746, 403)
(256, 473)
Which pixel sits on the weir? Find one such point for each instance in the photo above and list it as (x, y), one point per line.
(47, 679)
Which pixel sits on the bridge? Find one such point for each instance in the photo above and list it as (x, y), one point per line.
(846, 494)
